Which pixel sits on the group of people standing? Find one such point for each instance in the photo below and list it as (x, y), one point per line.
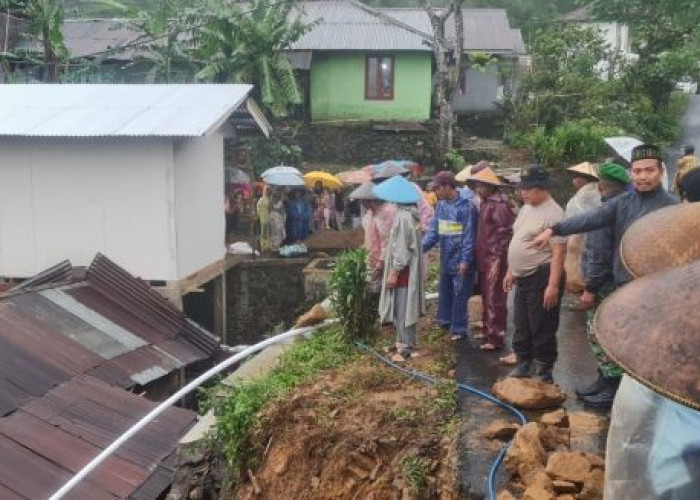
(290, 215)
(653, 443)
(487, 243)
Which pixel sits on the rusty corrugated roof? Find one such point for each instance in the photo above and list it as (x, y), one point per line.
(52, 437)
(109, 325)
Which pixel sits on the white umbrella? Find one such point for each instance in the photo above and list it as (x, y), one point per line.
(623, 146)
(281, 169)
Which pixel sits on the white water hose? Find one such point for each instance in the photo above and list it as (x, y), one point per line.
(176, 397)
(92, 465)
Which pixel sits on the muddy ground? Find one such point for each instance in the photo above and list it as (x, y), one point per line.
(364, 431)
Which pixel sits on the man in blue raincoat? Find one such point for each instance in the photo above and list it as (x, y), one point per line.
(454, 229)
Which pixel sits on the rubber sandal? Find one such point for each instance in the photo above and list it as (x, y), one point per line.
(397, 358)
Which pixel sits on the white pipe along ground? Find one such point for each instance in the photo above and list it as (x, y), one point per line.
(90, 466)
(247, 351)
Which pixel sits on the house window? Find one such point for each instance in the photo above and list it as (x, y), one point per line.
(379, 77)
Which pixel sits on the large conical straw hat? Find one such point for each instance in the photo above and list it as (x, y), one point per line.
(486, 176)
(651, 328)
(666, 238)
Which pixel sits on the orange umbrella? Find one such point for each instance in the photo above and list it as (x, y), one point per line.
(355, 176)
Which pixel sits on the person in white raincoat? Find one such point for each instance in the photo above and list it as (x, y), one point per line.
(402, 299)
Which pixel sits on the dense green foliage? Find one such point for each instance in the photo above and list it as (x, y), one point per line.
(578, 92)
(237, 407)
(355, 306)
(270, 152)
(238, 46)
(665, 35)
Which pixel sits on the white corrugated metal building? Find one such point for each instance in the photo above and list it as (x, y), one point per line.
(135, 172)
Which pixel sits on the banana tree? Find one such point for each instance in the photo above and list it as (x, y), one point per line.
(238, 45)
(46, 19)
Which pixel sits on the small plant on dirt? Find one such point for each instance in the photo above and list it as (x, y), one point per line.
(446, 399)
(404, 415)
(414, 470)
(237, 411)
(355, 306)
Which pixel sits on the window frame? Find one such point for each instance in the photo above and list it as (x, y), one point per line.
(379, 57)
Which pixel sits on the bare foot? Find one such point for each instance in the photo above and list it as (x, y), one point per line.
(397, 358)
(510, 359)
(489, 347)
(456, 338)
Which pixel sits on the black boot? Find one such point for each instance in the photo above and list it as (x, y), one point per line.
(543, 371)
(593, 388)
(523, 369)
(604, 398)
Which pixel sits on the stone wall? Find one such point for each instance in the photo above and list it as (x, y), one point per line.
(360, 144)
(260, 294)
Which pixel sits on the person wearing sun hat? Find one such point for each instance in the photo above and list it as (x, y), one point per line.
(402, 299)
(599, 283)
(493, 234)
(376, 223)
(585, 181)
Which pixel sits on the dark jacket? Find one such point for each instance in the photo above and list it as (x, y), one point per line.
(599, 255)
(618, 215)
(494, 231)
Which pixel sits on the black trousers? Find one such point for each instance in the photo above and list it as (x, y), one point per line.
(535, 334)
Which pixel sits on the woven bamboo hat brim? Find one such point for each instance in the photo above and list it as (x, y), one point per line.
(486, 176)
(651, 328)
(664, 239)
(585, 168)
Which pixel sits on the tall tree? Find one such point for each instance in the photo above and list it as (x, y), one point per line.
(664, 35)
(448, 52)
(238, 45)
(46, 20)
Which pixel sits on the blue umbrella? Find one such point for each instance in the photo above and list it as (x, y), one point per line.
(397, 190)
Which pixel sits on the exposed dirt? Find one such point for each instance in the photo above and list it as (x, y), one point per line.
(363, 431)
(335, 240)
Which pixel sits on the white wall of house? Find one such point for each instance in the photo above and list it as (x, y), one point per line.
(70, 198)
(616, 35)
(482, 90)
(199, 191)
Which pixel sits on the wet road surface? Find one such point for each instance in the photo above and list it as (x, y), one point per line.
(575, 366)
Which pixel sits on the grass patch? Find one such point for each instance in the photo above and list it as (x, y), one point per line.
(236, 412)
(414, 470)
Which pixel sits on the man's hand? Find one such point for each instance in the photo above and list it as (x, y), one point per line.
(463, 269)
(542, 240)
(391, 279)
(508, 282)
(551, 297)
(587, 300)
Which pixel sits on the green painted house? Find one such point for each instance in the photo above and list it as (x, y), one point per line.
(360, 63)
(366, 86)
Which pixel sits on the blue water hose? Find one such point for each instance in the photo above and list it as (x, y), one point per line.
(491, 480)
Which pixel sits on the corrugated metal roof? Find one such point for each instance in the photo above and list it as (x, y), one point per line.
(117, 110)
(485, 30)
(110, 325)
(346, 25)
(90, 37)
(52, 437)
